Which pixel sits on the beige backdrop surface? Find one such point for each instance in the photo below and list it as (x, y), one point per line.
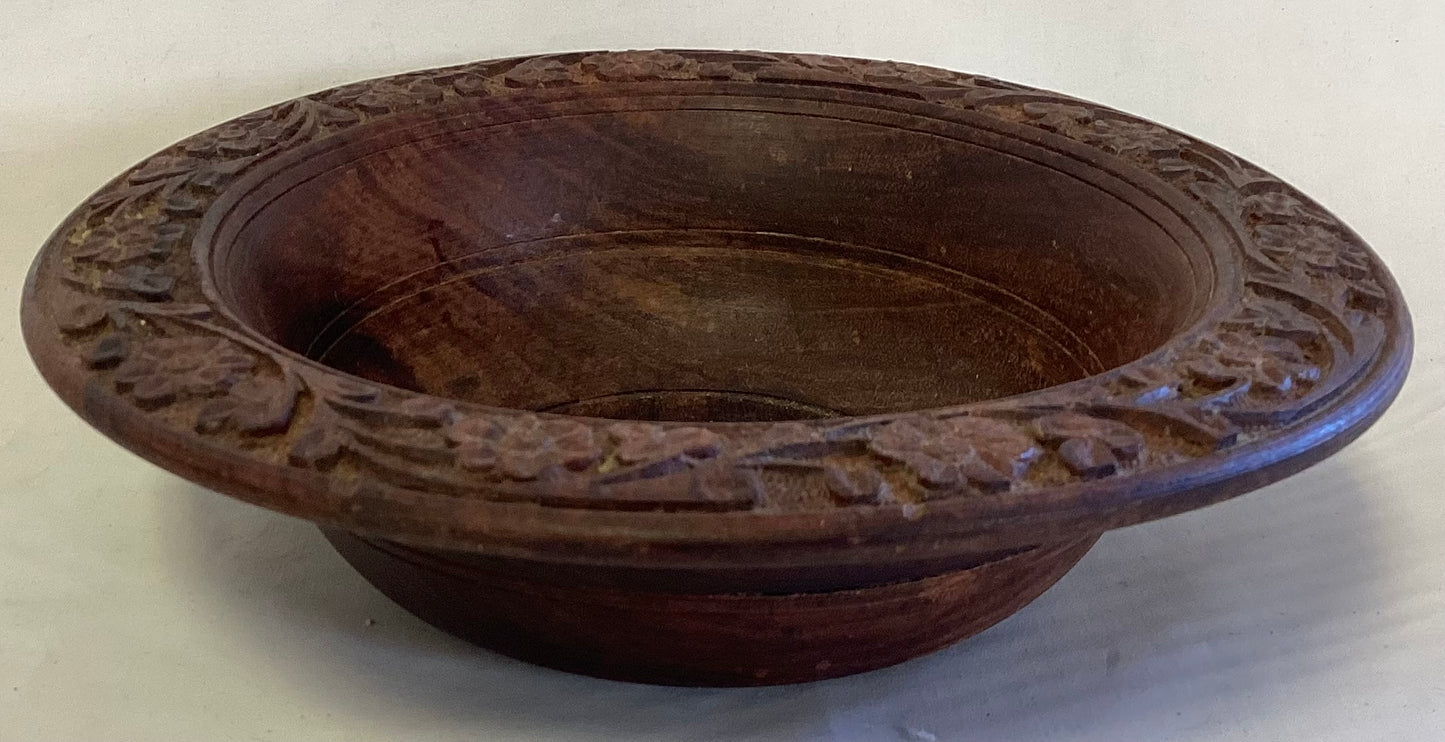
(135, 606)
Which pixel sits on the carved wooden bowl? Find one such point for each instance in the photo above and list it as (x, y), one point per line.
(712, 367)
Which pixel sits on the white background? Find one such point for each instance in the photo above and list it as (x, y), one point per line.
(135, 606)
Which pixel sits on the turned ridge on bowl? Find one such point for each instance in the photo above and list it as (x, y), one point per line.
(706, 367)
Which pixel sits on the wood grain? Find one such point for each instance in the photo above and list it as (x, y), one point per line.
(713, 324)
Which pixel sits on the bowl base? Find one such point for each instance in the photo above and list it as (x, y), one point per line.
(672, 638)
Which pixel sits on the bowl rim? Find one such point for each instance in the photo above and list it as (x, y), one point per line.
(1304, 343)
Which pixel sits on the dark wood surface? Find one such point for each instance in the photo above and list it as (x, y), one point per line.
(700, 638)
(713, 324)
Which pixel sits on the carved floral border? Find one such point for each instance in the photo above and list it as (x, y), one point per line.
(129, 302)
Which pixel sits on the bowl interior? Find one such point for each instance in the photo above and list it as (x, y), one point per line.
(716, 264)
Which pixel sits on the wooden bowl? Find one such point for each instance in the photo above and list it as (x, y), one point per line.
(709, 367)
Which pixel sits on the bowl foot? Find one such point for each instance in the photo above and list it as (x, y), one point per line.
(672, 638)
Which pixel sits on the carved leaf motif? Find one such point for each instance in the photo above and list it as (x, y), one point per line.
(825, 69)
(1352, 262)
(1056, 117)
(1089, 458)
(477, 456)
(1311, 248)
(538, 72)
(640, 65)
(1366, 294)
(1120, 438)
(855, 486)
(468, 429)
(154, 392)
(140, 240)
(1179, 168)
(327, 114)
(648, 443)
(722, 483)
(526, 449)
(1133, 137)
(1002, 446)
(161, 370)
(255, 406)
(1276, 318)
(415, 444)
(212, 176)
(1182, 420)
(714, 485)
(1279, 206)
(108, 351)
(726, 70)
(945, 455)
(1275, 365)
(247, 136)
(533, 448)
(120, 200)
(475, 439)
(346, 389)
(387, 97)
(912, 74)
(908, 442)
(76, 312)
(152, 284)
(837, 65)
(1151, 384)
(160, 167)
(183, 205)
(792, 441)
(320, 447)
(1090, 447)
(813, 68)
(228, 149)
(473, 85)
(427, 412)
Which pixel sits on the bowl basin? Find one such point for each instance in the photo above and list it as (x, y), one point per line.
(713, 368)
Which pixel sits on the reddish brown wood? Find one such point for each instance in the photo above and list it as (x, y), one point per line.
(572, 349)
(691, 638)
